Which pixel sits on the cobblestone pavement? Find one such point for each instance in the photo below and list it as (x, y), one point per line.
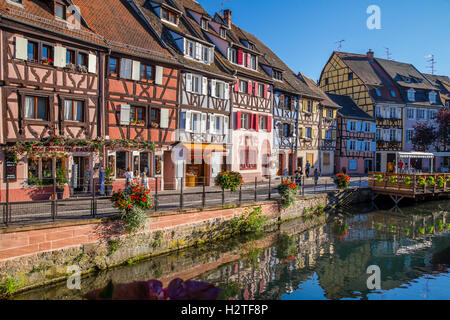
(81, 208)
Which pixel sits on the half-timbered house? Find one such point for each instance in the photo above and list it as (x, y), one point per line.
(252, 97)
(355, 143)
(140, 92)
(372, 89)
(50, 82)
(204, 88)
(422, 100)
(327, 110)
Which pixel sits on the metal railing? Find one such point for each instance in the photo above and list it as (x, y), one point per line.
(47, 203)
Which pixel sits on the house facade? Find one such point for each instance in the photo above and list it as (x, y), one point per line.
(140, 92)
(422, 101)
(327, 110)
(51, 77)
(204, 89)
(355, 142)
(252, 97)
(363, 79)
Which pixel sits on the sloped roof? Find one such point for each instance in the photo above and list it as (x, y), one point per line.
(39, 14)
(326, 99)
(400, 72)
(186, 27)
(349, 108)
(442, 83)
(373, 76)
(122, 29)
(235, 35)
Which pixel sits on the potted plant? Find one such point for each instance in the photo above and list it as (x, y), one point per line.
(47, 61)
(61, 181)
(288, 191)
(229, 180)
(108, 181)
(342, 181)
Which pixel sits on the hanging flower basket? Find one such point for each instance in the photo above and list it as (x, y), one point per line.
(288, 191)
(342, 181)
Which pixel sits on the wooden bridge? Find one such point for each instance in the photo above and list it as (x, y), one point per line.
(415, 186)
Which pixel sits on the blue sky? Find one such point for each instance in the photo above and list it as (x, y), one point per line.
(304, 32)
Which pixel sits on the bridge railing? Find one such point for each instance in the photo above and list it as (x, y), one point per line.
(410, 183)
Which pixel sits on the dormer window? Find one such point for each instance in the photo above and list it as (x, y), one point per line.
(169, 16)
(198, 51)
(278, 75)
(378, 92)
(204, 24)
(223, 33)
(60, 10)
(432, 97)
(412, 95)
(393, 93)
(16, 2)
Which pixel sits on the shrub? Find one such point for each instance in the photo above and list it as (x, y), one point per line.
(342, 181)
(251, 221)
(229, 180)
(288, 191)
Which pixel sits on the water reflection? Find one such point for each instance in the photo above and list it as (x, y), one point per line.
(412, 248)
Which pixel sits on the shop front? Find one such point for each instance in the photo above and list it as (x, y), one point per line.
(202, 163)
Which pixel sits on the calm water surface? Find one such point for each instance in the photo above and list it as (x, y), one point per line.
(412, 249)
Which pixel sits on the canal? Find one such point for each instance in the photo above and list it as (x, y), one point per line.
(411, 248)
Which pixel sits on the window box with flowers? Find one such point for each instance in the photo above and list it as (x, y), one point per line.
(342, 181)
(47, 62)
(138, 123)
(288, 191)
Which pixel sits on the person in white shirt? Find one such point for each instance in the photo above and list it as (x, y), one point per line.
(129, 177)
(145, 183)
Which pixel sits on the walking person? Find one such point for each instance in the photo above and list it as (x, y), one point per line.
(308, 167)
(145, 183)
(298, 176)
(316, 177)
(129, 176)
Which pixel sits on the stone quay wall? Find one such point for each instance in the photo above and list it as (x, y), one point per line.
(42, 254)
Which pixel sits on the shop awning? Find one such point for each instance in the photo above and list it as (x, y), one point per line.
(416, 155)
(198, 147)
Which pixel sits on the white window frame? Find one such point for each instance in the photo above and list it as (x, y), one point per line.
(411, 113)
(412, 95)
(409, 135)
(199, 88)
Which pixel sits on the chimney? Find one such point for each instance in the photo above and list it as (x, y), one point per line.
(227, 17)
(370, 54)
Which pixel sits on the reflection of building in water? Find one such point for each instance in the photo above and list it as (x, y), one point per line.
(341, 264)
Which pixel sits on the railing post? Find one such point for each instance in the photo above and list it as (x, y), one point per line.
(256, 189)
(94, 201)
(223, 197)
(7, 201)
(414, 184)
(270, 187)
(303, 186)
(54, 199)
(240, 195)
(156, 194)
(204, 193)
(182, 194)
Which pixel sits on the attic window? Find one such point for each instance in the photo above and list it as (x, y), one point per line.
(60, 10)
(350, 76)
(223, 33)
(378, 92)
(393, 93)
(432, 97)
(278, 75)
(204, 24)
(169, 16)
(16, 2)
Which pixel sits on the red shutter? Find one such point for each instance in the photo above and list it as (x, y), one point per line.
(256, 122)
(236, 86)
(248, 60)
(240, 54)
(238, 120)
(266, 89)
(252, 121)
(250, 88)
(269, 124)
(256, 89)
